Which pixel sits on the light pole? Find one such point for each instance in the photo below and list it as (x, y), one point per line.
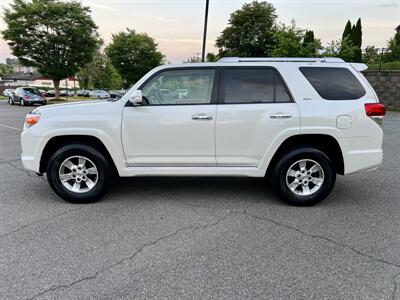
(203, 52)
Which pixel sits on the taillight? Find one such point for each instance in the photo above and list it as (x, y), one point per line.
(375, 109)
(26, 97)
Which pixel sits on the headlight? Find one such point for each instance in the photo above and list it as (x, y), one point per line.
(32, 119)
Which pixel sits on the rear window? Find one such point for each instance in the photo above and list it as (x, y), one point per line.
(334, 83)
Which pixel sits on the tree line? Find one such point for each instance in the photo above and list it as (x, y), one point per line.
(60, 39)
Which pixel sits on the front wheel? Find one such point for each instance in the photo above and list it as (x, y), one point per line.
(304, 176)
(22, 102)
(79, 173)
(10, 101)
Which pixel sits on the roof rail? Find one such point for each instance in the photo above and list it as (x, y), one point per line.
(281, 59)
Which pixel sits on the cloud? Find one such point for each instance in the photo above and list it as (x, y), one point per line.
(160, 18)
(102, 6)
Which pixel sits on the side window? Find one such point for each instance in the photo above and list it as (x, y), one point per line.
(252, 85)
(180, 87)
(281, 94)
(334, 83)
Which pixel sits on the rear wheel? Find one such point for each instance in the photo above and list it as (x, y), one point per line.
(304, 176)
(79, 173)
(22, 102)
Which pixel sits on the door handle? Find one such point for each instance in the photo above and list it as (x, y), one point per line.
(280, 116)
(200, 117)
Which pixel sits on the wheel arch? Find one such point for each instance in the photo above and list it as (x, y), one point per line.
(57, 142)
(326, 143)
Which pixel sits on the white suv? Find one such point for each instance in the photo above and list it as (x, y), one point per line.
(298, 121)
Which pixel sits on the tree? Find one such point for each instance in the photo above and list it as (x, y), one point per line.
(371, 55)
(393, 53)
(54, 36)
(288, 41)
(356, 37)
(211, 57)
(291, 41)
(311, 45)
(193, 59)
(347, 30)
(99, 74)
(5, 69)
(341, 48)
(352, 42)
(250, 31)
(133, 55)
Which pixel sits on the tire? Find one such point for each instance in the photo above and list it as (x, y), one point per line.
(22, 102)
(10, 101)
(292, 182)
(87, 194)
(44, 103)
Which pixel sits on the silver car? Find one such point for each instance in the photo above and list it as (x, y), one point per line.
(99, 94)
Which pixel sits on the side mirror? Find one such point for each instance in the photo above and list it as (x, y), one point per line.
(136, 98)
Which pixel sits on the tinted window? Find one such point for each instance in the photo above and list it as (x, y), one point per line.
(180, 87)
(31, 91)
(253, 85)
(281, 94)
(334, 83)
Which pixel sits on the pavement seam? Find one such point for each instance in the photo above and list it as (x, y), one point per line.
(39, 221)
(132, 256)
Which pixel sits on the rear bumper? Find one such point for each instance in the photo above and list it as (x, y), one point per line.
(362, 153)
(359, 161)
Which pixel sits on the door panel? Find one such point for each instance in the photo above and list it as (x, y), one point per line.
(169, 136)
(176, 124)
(244, 132)
(255, 109)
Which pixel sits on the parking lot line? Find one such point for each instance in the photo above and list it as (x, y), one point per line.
(10, 127)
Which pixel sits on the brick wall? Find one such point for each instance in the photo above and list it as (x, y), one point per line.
(386, 85)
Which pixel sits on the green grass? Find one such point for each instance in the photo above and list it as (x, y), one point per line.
(389, 66)
(393, 108)
(3, 97)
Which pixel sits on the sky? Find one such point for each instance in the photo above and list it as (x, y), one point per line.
(177, 25)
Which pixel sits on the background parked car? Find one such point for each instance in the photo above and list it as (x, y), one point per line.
(27, 95)
(8, 92)
(83, 93)
(50, 93)
(99, 94)
(116, 94)
(66, 93)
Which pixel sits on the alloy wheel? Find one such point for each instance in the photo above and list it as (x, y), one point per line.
(78, 174)
(305, 177)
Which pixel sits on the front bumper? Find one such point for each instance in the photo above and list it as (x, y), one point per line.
(32, 148)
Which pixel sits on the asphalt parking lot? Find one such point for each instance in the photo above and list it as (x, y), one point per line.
(198, 237)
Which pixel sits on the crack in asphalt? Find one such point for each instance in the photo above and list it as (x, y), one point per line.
(39, 221)
(210, 225)
(9, 162)
(343, 245)
(132, 256)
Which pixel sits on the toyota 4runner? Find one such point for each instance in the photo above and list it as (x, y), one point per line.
(297, 121)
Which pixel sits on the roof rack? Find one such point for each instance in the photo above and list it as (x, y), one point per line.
(281, 59)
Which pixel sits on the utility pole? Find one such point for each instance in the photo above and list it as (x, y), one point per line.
(203, 53)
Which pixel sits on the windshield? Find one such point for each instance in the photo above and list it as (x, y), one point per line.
(32, 91)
